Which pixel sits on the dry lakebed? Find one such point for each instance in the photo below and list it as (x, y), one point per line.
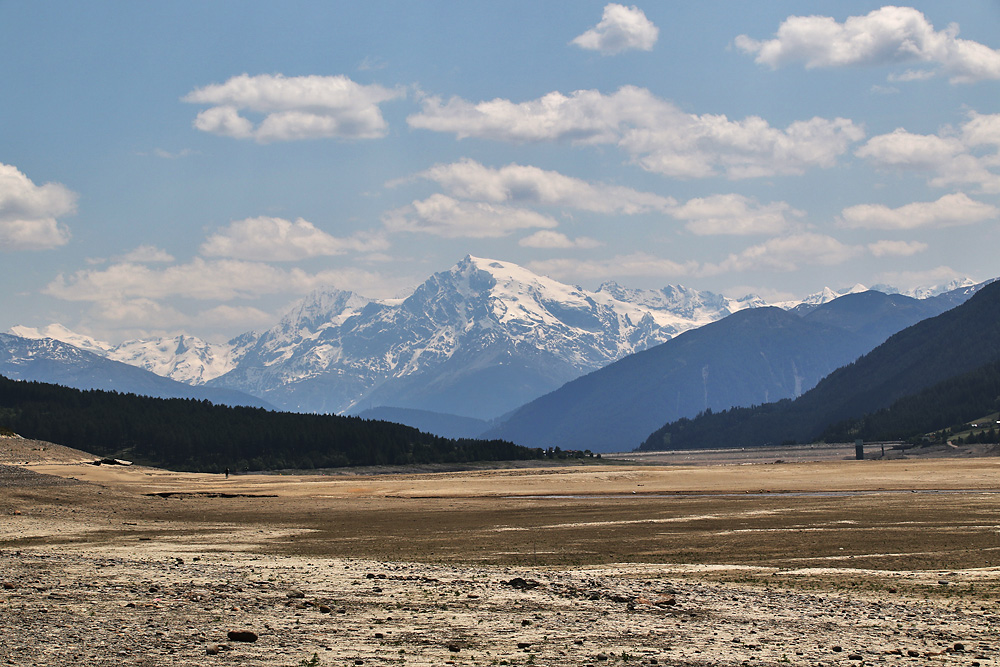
(811, 561)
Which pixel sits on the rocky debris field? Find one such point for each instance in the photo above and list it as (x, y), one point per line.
(73, 606)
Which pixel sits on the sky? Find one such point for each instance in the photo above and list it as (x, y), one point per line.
(197, 167)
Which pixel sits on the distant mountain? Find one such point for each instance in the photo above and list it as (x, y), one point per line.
(448, 426)
(751, 357)
(477, 341)
(182, 358)
(930, 352)
(52, 361)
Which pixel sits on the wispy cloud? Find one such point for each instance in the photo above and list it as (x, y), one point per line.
(441, 215)
(523, 184)
(948, 211)
(278, 240)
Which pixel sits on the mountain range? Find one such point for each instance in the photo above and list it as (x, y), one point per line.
(473, 344)
(930, 353)
(751, 357)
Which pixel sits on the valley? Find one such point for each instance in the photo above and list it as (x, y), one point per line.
(802, 563)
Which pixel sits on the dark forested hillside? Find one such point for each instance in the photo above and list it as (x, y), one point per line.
(949, 404)
(195, 435)
(921, 356)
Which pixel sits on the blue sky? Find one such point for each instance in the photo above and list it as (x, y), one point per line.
(196, 167)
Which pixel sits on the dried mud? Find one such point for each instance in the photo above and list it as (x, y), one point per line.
(828, 563)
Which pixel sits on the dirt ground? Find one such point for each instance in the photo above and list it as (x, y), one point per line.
(814, 560)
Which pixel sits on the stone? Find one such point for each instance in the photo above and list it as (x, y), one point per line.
(212, 649)
(242, 635)
(294, 594)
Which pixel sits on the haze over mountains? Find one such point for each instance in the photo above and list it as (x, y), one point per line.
(486, 337)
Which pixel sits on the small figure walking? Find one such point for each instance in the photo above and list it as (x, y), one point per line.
(227, 473)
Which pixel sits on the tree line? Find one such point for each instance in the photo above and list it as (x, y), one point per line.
(198, 436)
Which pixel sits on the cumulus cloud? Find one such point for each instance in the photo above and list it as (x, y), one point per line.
(621, 29)
(969, 155)
(302, 107)
(547, 238)
(654, 132)
(211, 280)
(948, 211)
(635, 264)
(896, 248)
(277, 240)
(441, 215)
(735, 214)
(521, 184)
(787, 253)
(886, 36)
(28, 212)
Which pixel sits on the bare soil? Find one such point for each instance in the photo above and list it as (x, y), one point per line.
(809, 562)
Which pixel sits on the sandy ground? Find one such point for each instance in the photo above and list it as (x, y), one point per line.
(807, 562)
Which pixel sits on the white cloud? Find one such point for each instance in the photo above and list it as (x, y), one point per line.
(441, 215)
(948, 211)
(302, 107)
(786, 253)
(896, 248)
(900, 148)
(735, 214)
(636, 264)
(886, 36)
(968, 156)
(146, 254)
(278, 240)
(621, 29)
(468, 179)
(653, 132)
(547, 238)
(28, 212)
(212, 280)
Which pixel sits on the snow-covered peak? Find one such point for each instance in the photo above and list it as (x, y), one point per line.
(323, 307)
(183, 358)
(62, 334)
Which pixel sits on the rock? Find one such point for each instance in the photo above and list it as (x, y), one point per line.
(959, 647)
(379, 635)
(7, 586)
(913, 654)
(522, 584)
(242, 635)
(602, 656)
(523, 645)
(525, 623)
(212, 649)
(454, 648)
(854, 656)
(837, 649)
(294, 594)
(325, 609)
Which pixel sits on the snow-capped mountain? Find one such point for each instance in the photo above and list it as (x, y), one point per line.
(476, 340)
(182, 358)
(48, 360)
